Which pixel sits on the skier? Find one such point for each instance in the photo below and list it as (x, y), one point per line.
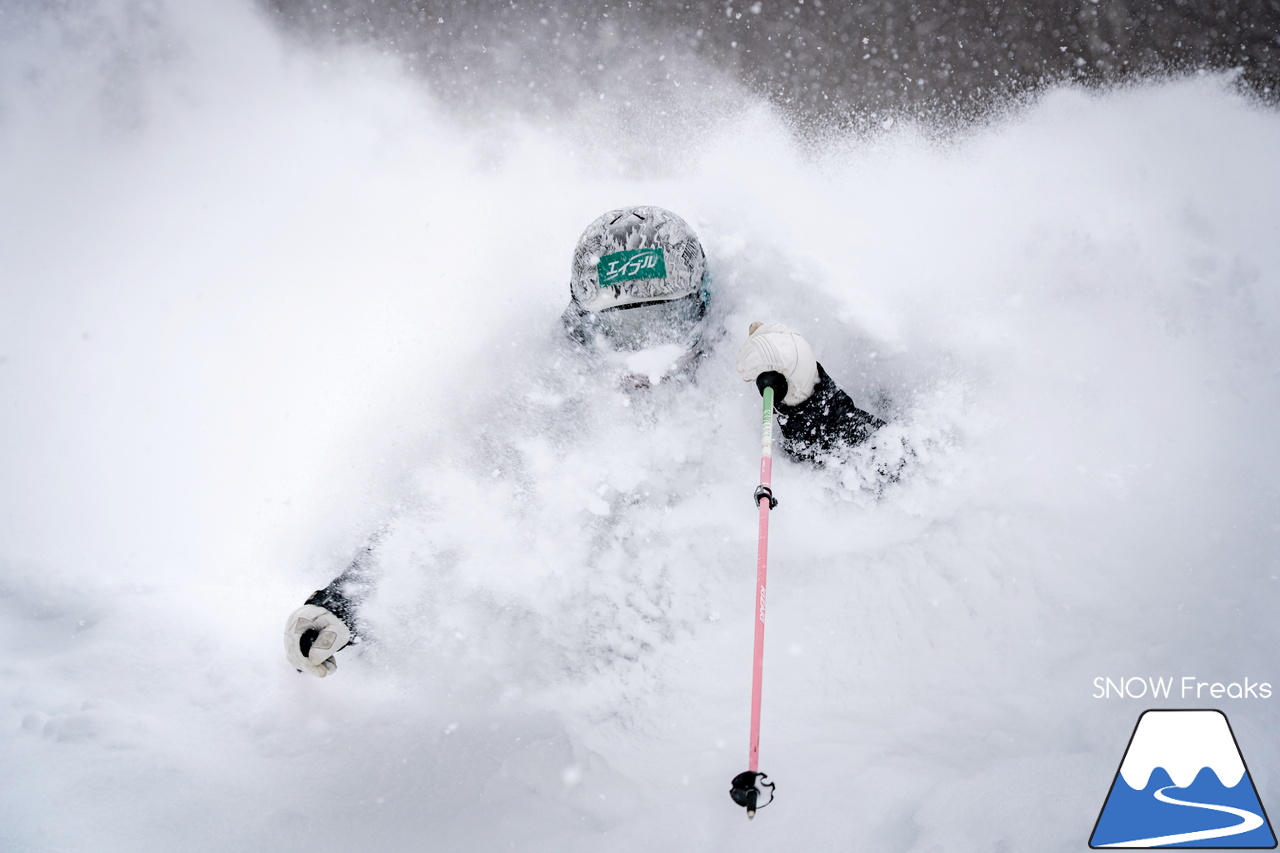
(639, 298)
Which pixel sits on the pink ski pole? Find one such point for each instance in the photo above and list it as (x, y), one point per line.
(749, 788)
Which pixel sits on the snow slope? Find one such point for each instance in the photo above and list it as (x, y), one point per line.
(256, 304)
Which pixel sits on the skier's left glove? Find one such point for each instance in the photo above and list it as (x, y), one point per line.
(312, 636)
(773, 346)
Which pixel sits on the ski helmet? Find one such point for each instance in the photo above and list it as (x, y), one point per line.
(639, 279)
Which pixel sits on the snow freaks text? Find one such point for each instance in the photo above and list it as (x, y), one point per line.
(1186, 687)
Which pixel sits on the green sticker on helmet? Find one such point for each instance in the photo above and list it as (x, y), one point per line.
(630, 265)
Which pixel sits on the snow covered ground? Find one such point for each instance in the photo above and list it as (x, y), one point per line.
(256, 304)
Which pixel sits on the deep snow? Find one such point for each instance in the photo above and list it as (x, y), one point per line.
(257, 304)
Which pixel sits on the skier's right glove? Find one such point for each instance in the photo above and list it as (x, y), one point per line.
(311, 636)
(773, 346)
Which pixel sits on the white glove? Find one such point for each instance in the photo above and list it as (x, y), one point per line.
(773, 346)
(331, 634)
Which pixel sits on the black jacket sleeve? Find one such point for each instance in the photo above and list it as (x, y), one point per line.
(344, 593)
(827, 421)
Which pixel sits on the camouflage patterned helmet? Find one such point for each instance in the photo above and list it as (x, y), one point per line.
(634, 255)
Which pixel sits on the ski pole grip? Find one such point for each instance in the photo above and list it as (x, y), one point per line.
(309, 637)
(775, 380)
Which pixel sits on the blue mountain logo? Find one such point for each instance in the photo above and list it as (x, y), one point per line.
(1183, 783)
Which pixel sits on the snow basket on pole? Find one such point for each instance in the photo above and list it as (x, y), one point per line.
(751, 791)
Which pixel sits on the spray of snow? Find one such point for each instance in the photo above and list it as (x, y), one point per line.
(257, 305)
(655, 362)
